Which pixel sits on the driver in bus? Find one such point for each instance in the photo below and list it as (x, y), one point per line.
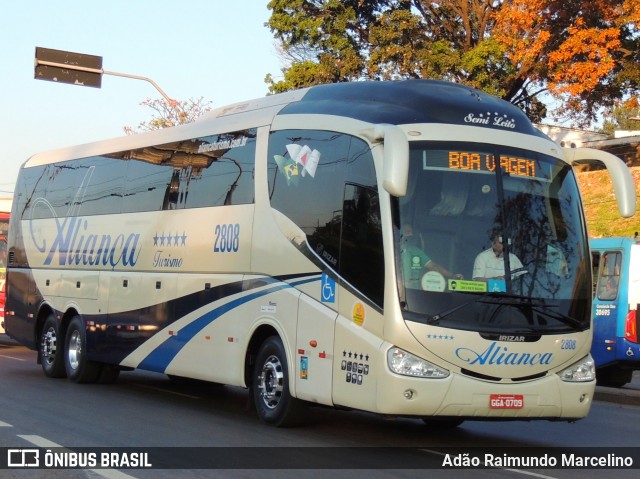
(415, 262)
(490, 263)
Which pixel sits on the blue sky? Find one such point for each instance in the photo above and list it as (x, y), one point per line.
(216, 49)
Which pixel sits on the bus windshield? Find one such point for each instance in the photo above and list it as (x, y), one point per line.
(491, 238)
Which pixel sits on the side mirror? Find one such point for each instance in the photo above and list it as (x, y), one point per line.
(623, 185)
(395, 163)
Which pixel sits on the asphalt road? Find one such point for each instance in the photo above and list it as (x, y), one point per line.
(148, 410)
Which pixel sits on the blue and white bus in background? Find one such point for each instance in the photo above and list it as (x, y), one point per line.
(616, 299)
(320, 247)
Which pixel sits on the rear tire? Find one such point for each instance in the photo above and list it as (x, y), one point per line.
(79, 368)
(613, 376)
(270, 386)
(51, 349)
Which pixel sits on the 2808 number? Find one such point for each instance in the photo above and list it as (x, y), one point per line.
(227, 238)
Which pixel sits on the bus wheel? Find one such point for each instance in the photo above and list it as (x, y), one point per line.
(51, 350)
(613, 376)
(79, 369)
(270, 387)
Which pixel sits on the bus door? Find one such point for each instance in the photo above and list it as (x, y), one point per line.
(608, 295)
(315, 339)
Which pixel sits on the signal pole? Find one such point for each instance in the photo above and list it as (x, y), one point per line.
(81, 69)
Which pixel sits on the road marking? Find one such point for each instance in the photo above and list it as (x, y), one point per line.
(11, 357)
(5, 424)
(44, 442)
(518, 471)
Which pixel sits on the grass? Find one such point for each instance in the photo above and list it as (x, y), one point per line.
(603, 217)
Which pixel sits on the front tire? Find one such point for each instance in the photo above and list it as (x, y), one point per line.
(613, 376)
(51, 349)
(79, 369)
(270, 386)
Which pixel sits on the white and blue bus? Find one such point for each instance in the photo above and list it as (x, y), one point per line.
(616, 300)
(320, 246)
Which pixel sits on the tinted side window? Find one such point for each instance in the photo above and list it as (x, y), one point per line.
(307, 170)
(104, 189)
(325, 182)
(609, 279)
(29, 190)
(147, 186)
(361, 256)
(65, 186)
(212, 171)
(52, 190)
(225, 174)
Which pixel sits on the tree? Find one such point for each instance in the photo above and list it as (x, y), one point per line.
(623, 116)
(581, 53)
(168, 114)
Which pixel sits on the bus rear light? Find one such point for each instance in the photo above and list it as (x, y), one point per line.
(631, 327)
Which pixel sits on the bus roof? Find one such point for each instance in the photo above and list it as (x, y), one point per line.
(389, 102)
(613, 242)
(413, 101)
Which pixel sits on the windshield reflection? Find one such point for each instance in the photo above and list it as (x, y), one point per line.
(480, 225)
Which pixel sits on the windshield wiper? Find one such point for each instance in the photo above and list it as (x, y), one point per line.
(436, 318)
(563, 318)
(498, 298)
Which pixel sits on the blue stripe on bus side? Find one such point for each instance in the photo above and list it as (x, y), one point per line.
(160, 358)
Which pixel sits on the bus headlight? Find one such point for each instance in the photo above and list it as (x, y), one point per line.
(580, 372)
(402, 362)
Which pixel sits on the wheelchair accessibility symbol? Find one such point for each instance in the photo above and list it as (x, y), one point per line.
(328, 293)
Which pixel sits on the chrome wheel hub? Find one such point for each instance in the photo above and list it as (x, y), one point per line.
(271, 382)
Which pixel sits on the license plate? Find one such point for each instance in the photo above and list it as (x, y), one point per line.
(506, 401)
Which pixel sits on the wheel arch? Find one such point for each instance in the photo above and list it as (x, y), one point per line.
(258, 337)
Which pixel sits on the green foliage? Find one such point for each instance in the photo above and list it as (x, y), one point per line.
(601, 209)
(502, 47)
(624, 116)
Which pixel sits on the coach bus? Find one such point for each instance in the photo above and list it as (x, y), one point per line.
(5, 208)
(319, 247)
(616, 299)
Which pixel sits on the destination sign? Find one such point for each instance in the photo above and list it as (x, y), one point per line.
(481, 162)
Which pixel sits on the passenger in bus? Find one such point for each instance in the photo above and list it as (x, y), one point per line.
(609, 288)
(490, 263)
(415, 262)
